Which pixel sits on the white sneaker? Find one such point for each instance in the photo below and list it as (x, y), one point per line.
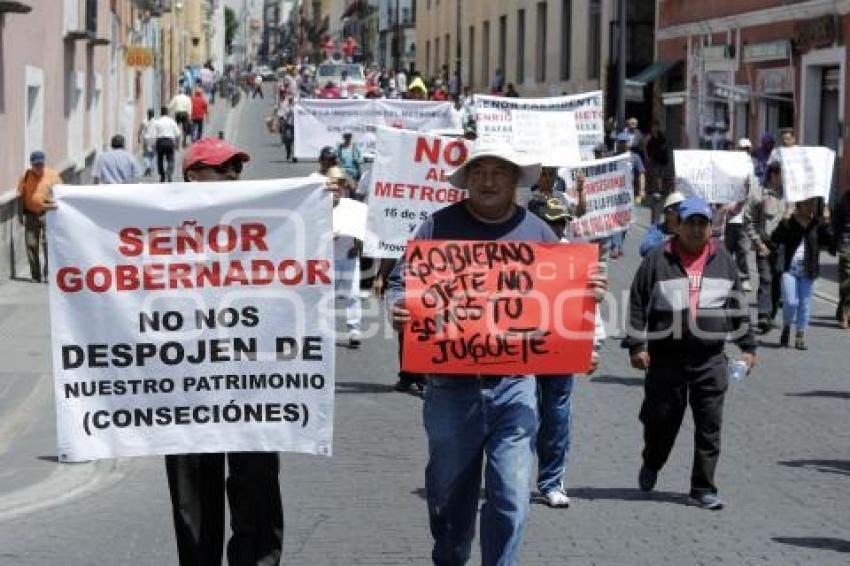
(556, 498)
(354, 339)
(746, 285)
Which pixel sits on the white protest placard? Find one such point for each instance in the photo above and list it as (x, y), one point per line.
(192, 317)
(550, 138)
(494, 116)
(807, 172)
(608, 193)
(408, 183)
(319, 122)
(716, 176)
(349, 218)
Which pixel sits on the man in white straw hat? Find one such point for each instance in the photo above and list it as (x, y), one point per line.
(469, 419)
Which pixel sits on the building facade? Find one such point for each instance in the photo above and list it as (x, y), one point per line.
(756, 67)
(543, 47)
(73, 73)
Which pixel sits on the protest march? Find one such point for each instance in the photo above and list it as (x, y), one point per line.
(481, 254)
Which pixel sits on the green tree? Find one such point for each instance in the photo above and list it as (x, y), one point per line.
(230, 27)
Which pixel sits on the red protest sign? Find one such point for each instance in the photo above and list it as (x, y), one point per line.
(498, 308)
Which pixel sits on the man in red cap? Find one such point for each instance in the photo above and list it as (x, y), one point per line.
(197, 481)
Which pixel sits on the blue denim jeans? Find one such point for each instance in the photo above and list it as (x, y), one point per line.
(553, 438)
(469, 422)
(796, 300)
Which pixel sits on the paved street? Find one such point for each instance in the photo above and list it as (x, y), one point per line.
(784, 470)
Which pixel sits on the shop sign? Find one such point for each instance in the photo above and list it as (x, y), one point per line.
(769, 51)
(775, 81)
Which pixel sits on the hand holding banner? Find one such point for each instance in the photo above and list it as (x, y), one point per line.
(498, 308)
(807, 172)
(608, 194)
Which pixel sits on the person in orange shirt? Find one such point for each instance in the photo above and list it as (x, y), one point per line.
(34, 192)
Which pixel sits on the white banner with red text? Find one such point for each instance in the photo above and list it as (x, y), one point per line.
(192, 317)
(408, 183)
(494, 116)
(320, 123)
(608, 194)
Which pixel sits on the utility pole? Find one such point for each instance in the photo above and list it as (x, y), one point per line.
(621, 66)
(458, 31)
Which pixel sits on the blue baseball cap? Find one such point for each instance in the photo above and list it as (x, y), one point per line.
(37, 158)
(695, 206)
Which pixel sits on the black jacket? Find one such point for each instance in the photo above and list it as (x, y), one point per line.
(659, 308)
(787, 237)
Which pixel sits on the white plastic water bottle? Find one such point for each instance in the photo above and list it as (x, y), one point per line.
(737, 370)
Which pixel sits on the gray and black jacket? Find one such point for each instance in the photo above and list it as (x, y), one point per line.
(659, 308)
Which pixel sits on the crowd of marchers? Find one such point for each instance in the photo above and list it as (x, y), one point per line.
(689, 295)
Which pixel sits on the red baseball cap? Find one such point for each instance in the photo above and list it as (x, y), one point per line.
(212, 152)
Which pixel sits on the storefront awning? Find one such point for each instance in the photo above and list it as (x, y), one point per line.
(652, 72)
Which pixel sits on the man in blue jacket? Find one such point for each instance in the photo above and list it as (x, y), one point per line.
(685, 301)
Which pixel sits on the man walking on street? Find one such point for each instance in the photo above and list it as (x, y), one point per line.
(474, 419)
(166, 132)
(685, 300)
(197, 482)
(181, 107)
(147, 141)
(33, 190)
(116, 166)
(762, 215)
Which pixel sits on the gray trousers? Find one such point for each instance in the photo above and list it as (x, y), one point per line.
(36, 242)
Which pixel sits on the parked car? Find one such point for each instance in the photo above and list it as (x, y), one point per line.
(332, 72)
(266, 72)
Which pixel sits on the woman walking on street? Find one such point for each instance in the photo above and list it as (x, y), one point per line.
(798, 242)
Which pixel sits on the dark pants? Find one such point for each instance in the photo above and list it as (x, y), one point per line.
(770, 287)
(738, 245)
(407, 377)
(182, 119)
(197, 129)
(197, 485)
(258, 91)
(668, 389)
(36, 242)
(287, 136)
(165, 159)
(843, 311)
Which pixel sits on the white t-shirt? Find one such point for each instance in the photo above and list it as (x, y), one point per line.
(165, 127)
(797, 258)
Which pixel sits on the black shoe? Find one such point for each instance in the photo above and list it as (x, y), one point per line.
(404, 386)
(785, 338)
(800, 341)
(764, 325)
(647, 478)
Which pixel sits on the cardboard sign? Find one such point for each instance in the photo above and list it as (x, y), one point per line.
(320, 123)
(494, 116)
(551, 139)
(609, 196)
(498, 308)
(350, 218)
(716, 176)
(807, 172)
(409, 182)
(192, 317)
